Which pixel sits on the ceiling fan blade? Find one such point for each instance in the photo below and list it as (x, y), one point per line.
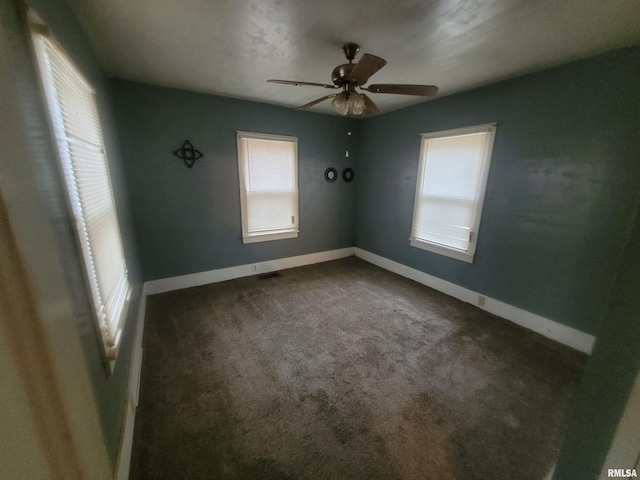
(311, 104)
(298, 84)
(419, 90)
(370, 108)
(367, 66)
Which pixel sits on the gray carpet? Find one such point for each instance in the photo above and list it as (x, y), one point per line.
(342, 370)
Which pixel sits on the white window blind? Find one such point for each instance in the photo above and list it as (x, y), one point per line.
(450, 190)
(268, 169)
(74, 114)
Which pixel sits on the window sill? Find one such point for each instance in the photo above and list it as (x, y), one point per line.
(442, 250)
(267, 237)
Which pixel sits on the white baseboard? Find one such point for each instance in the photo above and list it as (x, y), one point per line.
(126, 442)
(220, 275)
(549, 328)
(624, 449)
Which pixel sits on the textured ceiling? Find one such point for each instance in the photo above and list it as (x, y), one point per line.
(231, 47)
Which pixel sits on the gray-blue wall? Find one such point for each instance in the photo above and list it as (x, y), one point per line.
(610, 374)
(564, 175)
(39, 177)
(188, 220)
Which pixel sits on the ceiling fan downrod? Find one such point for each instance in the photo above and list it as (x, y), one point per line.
(350, 51)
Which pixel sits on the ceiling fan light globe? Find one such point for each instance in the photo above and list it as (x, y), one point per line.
(356, 102)
(340, 103)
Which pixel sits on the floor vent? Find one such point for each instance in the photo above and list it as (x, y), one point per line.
(264, 276)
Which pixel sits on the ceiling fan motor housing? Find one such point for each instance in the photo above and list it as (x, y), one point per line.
(340, 74)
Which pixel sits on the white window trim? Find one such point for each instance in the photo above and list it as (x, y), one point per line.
(458, 254)
(269, 235)
(110, 334)
(266, 237)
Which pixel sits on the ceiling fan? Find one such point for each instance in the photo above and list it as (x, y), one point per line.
(350, 76)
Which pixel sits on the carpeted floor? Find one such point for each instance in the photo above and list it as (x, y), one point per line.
(342, 370)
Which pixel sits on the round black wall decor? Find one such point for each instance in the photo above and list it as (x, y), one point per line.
(330, 174)
(347, 174)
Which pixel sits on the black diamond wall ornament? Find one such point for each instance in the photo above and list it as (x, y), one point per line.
(188, 154)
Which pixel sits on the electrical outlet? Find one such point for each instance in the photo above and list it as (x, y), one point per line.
(255, 268)
(481, 300)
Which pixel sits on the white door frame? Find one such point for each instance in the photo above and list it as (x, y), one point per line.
(625, 448)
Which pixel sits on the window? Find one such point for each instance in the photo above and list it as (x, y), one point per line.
(452, 176)
(76, 126)
(268, 168)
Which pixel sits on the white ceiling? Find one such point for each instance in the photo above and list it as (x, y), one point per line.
(231, 47)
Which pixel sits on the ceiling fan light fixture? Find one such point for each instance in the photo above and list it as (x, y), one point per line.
(356, 102)
(340, 103)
